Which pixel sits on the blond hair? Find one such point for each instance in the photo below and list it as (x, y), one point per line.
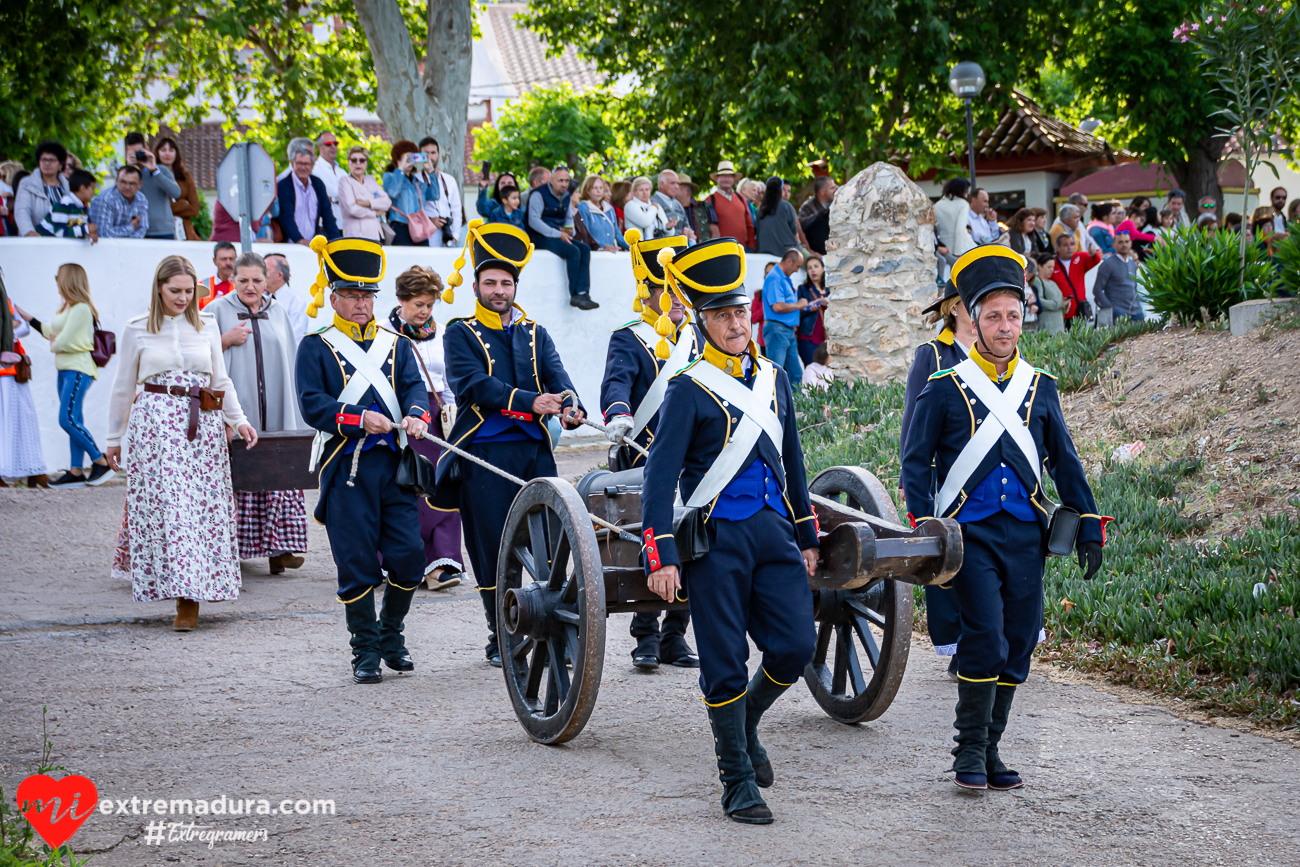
(584, 191)
(169, 267)
(639, 180)
(74, 287)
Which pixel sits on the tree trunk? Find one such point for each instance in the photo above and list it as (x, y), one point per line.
(1199, 176)
(436, 104)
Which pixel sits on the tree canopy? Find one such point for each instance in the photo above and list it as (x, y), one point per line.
(777, 84)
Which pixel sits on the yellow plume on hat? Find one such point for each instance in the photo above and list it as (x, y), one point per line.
(318, 245)
(640, 272)
(664, 325)
(454, 279)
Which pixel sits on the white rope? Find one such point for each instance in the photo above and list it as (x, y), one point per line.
(625, 441)
(623, 534)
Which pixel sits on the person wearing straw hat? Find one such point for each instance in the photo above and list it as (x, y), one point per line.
(948, 349)
(729, 214)
(733, 450)
(508, 379)
(359, 386)
(987, 426)
(643, 356)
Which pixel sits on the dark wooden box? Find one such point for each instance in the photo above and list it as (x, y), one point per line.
(277, 463)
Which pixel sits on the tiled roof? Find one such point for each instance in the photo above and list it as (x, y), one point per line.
(1025, 128)
(523, 54)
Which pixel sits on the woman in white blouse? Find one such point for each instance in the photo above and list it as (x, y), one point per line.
(178, 533)
(361, 200)
(641, 214)
(418, 289)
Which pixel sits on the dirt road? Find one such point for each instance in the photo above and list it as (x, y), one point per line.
(432, 768)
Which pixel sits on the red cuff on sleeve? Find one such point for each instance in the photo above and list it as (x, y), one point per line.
(1104, 519)
(425, 417)
(347, 418)
(651, 551)
(521, 416)
(912, 520)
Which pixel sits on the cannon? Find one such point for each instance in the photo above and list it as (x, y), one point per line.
(559, 577)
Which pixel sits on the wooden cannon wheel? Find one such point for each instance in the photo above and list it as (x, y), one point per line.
(550, 600)
(872, 623)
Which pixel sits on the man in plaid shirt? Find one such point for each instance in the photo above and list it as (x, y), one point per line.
(121, 211)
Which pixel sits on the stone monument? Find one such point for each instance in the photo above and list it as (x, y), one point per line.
(880, 270)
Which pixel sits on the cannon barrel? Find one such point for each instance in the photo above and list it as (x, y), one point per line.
(857, 548)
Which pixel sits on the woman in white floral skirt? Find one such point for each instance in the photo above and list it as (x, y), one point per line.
(178, 533)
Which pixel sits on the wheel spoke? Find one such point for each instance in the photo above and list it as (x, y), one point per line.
(823, 644)
(537, 541)
(536, 671)
(558, 689)
(559, 562)
(868, 612)
(868, 639)
(569, 617)
(843, 647)
(526, 558)
(855, 666)
(522, 648)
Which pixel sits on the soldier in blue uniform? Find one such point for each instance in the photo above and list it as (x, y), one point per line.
(643, 356)
(948, 349)
(507, 378)
(359, 386)
(987, 426)
(733, 447)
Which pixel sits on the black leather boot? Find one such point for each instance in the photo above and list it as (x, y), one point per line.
(365, 639)
(397, 602)
(740, 798)
(763, 691)
(673, 648)
(974, 712)
(489, 598)
(1000, 776)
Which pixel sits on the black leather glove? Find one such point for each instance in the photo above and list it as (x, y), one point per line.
(1089, 558)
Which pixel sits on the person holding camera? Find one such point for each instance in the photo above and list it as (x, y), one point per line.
(1071, 267)
(445, 208)
(404, 183)
(158, 185)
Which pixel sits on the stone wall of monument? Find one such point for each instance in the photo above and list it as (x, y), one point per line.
(880, 270)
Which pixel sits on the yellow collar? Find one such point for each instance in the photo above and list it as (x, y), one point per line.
(992, 371)
(732, 364)
(946, 337)
(355, 331)
(493, 320)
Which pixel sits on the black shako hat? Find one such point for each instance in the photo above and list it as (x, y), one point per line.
(345, 263)
(491, 245)
(948, 291)
(708, 275)
(985, 269)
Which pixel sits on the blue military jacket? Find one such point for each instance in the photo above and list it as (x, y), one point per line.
(947, 416)
(941, 353)
(321, 375)
(631, 367)
(496, 373)
(696, 426)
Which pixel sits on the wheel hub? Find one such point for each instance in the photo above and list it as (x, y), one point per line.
(528, 610)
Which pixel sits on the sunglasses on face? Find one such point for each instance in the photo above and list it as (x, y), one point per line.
(329, 144)
(358, 160)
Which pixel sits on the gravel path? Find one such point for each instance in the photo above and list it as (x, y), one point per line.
(432, 768)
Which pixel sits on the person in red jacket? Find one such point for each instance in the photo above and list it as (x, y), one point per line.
(1069, 273)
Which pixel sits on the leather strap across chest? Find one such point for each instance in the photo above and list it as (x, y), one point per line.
(1004, 417)
(758, 419)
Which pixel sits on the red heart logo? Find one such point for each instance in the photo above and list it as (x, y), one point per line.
(50, 805)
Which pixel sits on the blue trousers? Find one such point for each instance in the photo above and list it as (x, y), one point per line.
(485, 498)
(73, 386)
(943, 618)
(751, 581)
(1000, 593)
(373, 516)
(577, 260)
(780, 347)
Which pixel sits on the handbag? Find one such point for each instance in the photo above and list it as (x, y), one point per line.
(210, 399)
(105, 346)
(415, 473)
(691, 533)
(21, 364)
(419, 224)
(386, 233)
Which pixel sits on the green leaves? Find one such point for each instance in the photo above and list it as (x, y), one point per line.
(1194, 271)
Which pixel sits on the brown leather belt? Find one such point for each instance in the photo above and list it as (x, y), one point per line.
(181, 391)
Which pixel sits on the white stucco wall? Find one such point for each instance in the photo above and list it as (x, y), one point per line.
(1039, 187)
(121, 273)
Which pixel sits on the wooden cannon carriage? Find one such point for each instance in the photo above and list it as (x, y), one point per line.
(559, 577)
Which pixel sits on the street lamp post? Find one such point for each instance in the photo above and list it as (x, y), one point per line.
(966, 81)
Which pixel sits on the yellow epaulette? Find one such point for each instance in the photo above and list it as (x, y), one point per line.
(1045, 373)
